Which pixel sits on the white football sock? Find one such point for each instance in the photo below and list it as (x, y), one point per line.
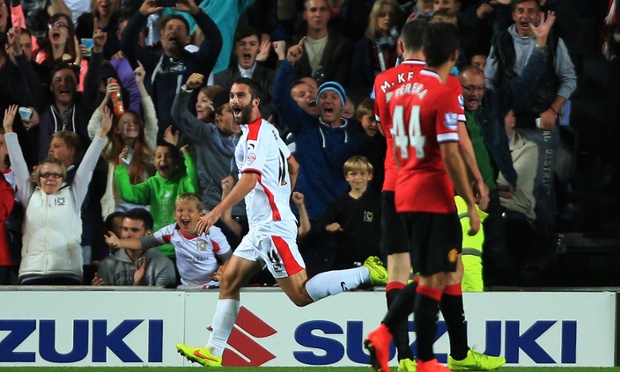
(224, 319)
(336, 281)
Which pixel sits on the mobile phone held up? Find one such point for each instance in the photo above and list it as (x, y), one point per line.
(167, 3)
(127, 159)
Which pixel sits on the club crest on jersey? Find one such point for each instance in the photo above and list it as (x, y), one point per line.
(450, 120)
(202, 246)
(251, 158)
(453, 255)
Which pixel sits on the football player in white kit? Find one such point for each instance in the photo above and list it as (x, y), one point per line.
(267, 176)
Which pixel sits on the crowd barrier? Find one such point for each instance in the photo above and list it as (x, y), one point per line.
(127, 326)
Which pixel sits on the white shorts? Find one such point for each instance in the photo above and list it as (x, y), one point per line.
(274, 245)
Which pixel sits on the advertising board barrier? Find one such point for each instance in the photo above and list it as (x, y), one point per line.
(133, 328)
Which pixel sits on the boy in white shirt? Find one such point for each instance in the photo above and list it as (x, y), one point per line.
(198, 257)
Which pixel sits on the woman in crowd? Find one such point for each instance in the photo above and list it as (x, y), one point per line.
(59, 43)
(376, 51)
(129, 130)
(106, 12)
(51, 253)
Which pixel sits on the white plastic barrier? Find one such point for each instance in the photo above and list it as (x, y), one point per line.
(129, 328)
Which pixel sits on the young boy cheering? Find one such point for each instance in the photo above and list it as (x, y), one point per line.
(198, 257)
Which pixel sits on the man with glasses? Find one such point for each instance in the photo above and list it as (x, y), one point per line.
(485, 109)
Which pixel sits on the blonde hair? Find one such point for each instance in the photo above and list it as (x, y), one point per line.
(49, 160)
(357, 162)
(190, 197)
(445, 15)
(367, 106)
(372, 31)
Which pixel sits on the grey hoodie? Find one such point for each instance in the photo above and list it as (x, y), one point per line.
(119, 269)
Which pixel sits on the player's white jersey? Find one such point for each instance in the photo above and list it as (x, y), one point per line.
(261, 150)
(196, 255)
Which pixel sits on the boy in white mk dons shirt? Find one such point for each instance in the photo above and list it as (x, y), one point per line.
(198, 256)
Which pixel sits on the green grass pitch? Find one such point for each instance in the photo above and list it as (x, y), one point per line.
(281, 369)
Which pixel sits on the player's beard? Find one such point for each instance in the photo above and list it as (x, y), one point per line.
(246, 114)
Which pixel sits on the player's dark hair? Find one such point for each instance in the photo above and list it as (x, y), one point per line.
(141, 214)
(440, 41)
(256, 91)
(412, 35)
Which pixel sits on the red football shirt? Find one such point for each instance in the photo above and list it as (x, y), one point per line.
(425, 112)
(385, 83)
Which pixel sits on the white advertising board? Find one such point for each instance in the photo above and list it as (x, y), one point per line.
(80, 328)
(528, 329)
(118, 328)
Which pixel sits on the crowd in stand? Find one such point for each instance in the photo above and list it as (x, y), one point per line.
(118, 133)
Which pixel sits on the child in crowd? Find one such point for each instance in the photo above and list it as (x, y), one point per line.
(160, 190)
(198, 257)
(354, 218)
(375, 146)
(304, 219)
(130, 129)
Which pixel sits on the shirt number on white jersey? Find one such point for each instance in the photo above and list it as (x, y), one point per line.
(413, 137)
(282, 169)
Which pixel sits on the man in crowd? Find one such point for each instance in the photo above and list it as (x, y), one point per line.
(168, 71)
(136, 267)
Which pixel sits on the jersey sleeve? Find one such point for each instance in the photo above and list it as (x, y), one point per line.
(165, 233)
(457, 91)
(284, 150)
(379, 98)
(449, 109)
(221, 247)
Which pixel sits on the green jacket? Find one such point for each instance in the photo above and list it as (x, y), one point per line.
(159, 193)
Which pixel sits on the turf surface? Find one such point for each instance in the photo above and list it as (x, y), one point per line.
(282, 369)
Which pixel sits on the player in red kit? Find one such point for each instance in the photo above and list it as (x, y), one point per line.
(425, 112)
(394, 242)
